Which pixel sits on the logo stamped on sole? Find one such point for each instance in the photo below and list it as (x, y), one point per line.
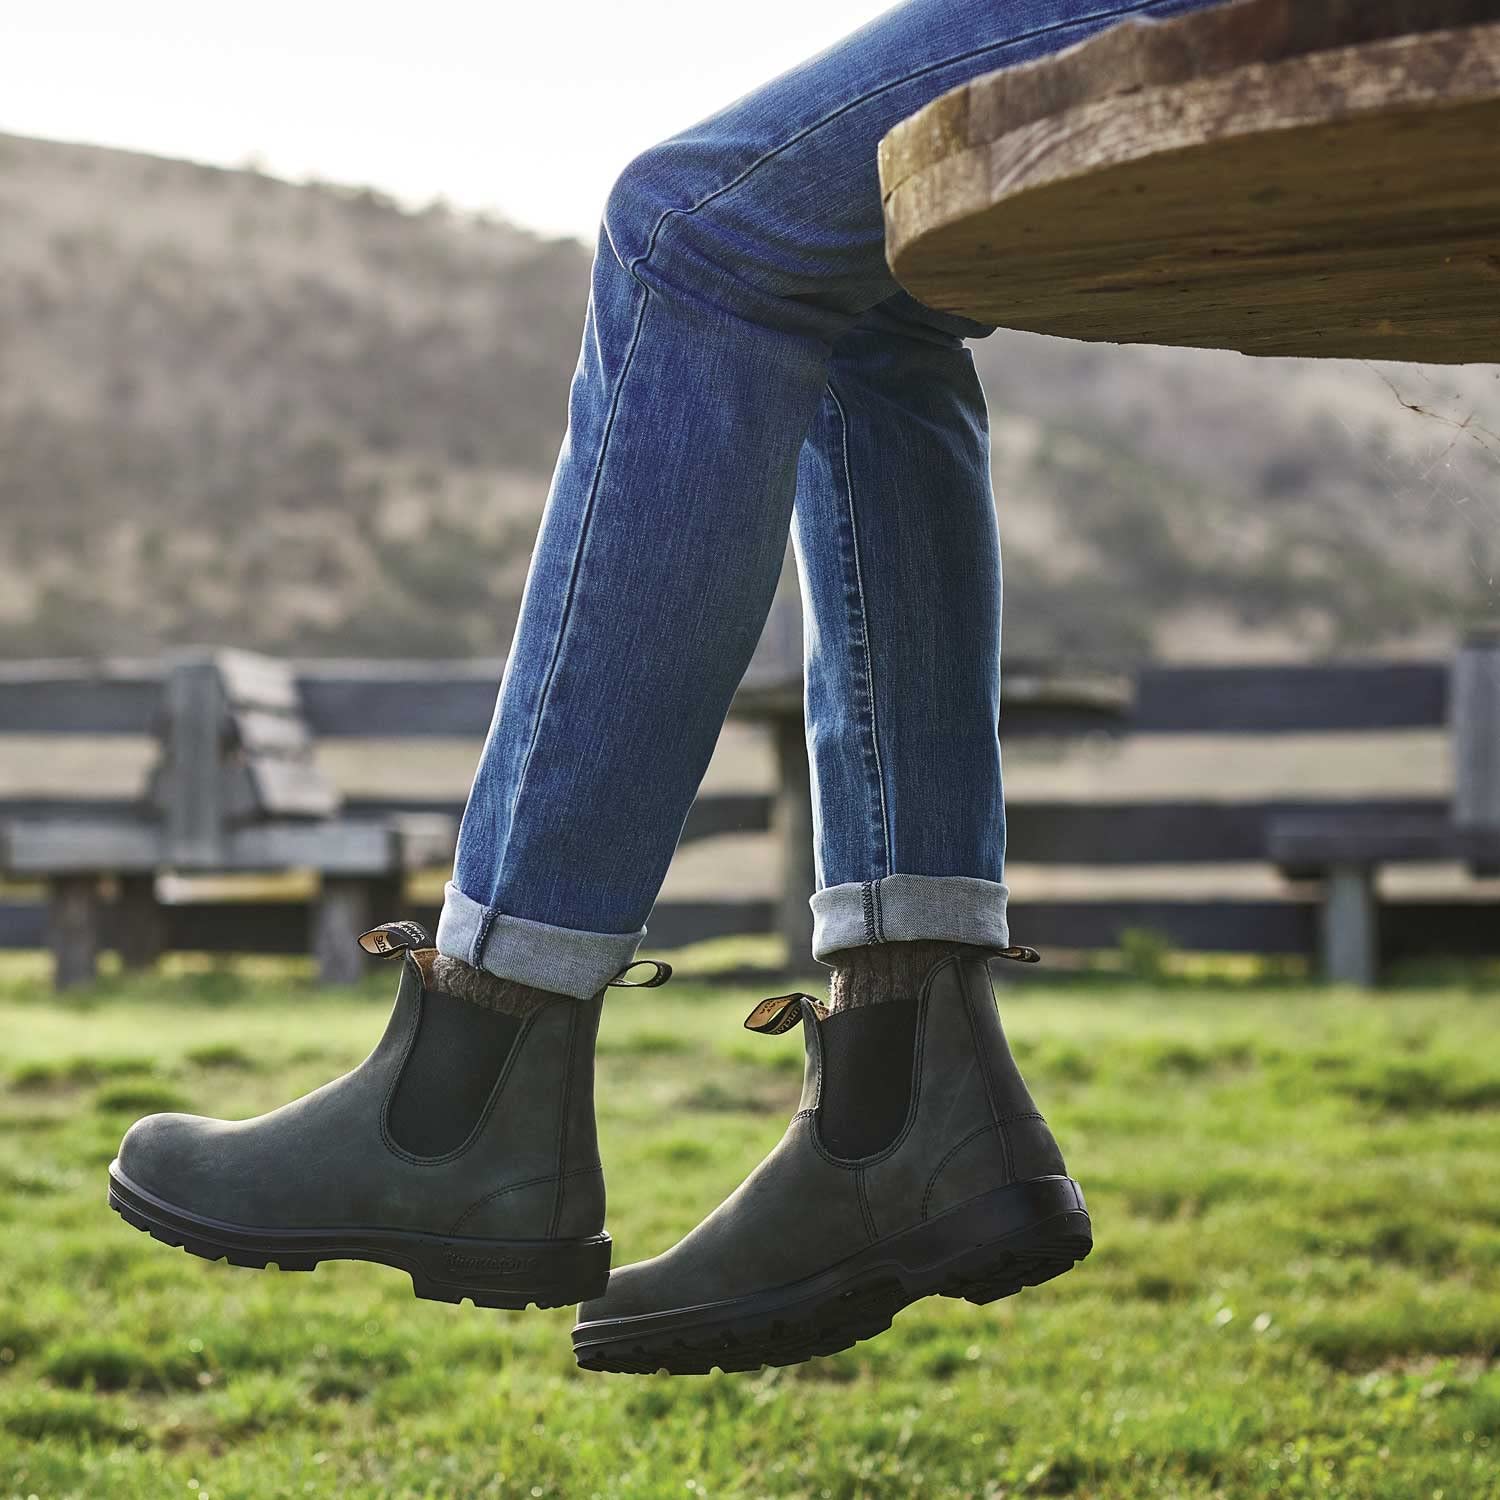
(496, 1265)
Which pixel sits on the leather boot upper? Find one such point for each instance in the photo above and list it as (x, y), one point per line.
(528, 1169)
(971, 1126)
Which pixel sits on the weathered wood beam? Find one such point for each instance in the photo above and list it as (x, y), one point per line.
(78, 845)
(1476, 748)
(456, 700)
(1348, 930)
(193, 782)
(74, 929)
(344, 909)
(339, 846)
(253, 680)
(1360, 836)
(1409, 929)
(137, 923)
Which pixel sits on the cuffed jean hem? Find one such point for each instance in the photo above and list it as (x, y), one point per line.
(565, 960)
(909, 908)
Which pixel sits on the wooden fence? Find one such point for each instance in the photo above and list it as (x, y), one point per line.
(1335, 845)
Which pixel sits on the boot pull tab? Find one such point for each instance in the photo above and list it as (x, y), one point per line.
(1020, 954)
(390, 938)
(781, 1013)
(661, 973)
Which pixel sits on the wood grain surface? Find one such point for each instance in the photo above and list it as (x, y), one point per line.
(1275, 176)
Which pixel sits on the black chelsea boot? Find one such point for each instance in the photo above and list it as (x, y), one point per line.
(461, 1150)
(928, 1172)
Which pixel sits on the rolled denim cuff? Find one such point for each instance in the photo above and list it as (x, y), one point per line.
(908, 908)
(565, 960)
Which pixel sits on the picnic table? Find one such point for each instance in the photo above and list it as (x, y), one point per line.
(1287, 177)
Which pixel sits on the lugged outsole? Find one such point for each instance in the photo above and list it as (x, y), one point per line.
(579, 1268)
(744, 1338)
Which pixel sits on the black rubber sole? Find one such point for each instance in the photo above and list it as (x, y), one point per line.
(443, 1268)
(991, 1247)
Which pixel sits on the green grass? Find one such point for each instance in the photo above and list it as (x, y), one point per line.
(1296, 1290)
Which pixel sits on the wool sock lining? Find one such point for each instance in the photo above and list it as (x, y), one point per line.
(879, 973)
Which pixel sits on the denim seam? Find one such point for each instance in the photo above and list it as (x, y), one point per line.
(947, 62)
(578, 549)
(867, 901)
(858, 607)
(482, 935)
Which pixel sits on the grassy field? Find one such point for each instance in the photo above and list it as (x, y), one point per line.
(1296, 1290)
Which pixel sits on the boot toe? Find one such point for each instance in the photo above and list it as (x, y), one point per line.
(162, 1155)
(633, 1292)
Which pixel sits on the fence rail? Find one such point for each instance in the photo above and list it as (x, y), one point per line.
(415, 700)
(1339, 842)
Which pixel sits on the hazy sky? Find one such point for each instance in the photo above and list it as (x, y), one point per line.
(519, 106)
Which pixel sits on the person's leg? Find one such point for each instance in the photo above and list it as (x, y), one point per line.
(899, 554)
(732, 258)
(917, 1140)
(917, 1162)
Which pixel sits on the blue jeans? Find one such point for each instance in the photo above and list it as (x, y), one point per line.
(749, 366)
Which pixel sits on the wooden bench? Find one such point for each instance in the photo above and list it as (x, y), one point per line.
(235, 790)
(1346, 851)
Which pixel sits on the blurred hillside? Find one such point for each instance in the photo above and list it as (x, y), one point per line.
(299, 418)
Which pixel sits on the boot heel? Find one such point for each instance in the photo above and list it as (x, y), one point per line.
(513, 1273)
(1031, 1258)
(1016, 1237)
